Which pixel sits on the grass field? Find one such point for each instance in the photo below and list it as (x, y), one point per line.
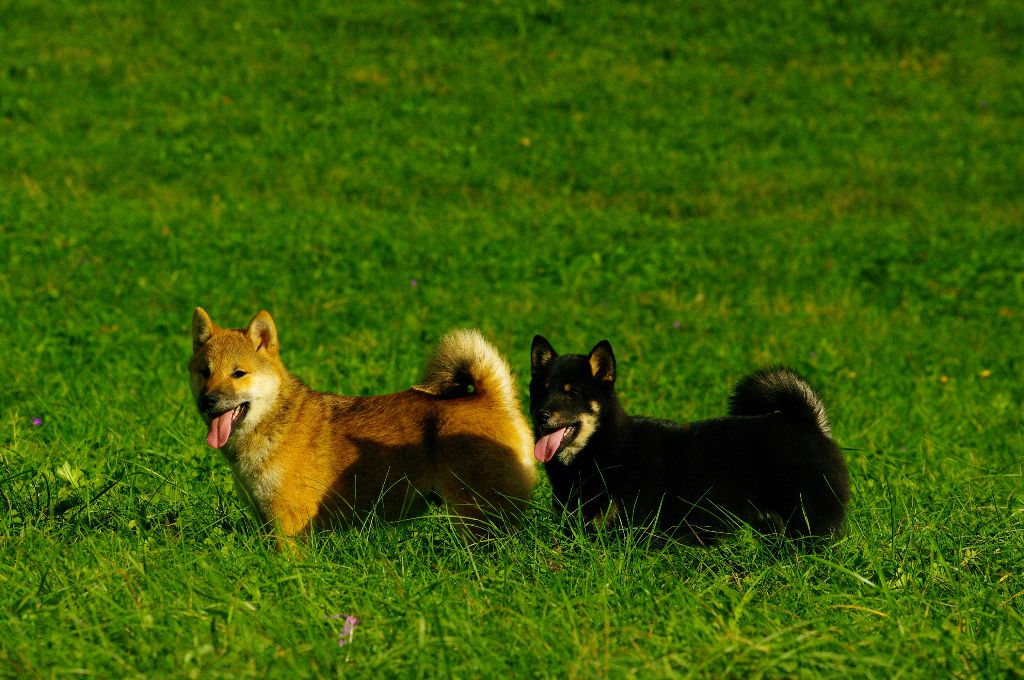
(712, 186)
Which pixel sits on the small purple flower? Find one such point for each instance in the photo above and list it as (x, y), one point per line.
(677, 324)
(37, 422)
(413, 282)
(348, 630)
(814, 355)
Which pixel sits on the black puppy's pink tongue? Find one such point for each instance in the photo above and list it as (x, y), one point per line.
(546, 446)
(220, 429)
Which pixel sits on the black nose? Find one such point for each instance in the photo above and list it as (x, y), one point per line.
(207, 402)
(543, 417)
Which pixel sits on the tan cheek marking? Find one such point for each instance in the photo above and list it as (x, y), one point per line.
(588, 425)
(566, 387)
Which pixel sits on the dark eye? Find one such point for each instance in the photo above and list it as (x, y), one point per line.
(205, 373)
(574, 394)
(238, 374)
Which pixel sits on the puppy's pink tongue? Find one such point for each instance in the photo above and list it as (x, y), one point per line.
(547, 445)
(220, 430)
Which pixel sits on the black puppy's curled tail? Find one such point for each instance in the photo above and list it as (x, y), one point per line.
(781, 390)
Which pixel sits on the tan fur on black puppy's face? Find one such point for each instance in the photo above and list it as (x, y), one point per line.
(566, 397)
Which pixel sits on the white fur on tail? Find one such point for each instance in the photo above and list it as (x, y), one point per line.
(464, 357)
(781, 380)
(779, 389)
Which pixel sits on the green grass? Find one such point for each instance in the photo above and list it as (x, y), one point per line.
(713, 187)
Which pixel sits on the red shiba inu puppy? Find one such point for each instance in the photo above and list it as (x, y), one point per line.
(307, 459)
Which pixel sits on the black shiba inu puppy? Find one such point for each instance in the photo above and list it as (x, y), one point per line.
(771, 462)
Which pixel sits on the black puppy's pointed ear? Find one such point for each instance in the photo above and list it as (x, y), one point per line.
(541, 354)
(602, 362)
(262, 333)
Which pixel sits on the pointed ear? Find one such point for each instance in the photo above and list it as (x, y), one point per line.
(541, 354)
(602, 362)
(203, 328)
(262, 333)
